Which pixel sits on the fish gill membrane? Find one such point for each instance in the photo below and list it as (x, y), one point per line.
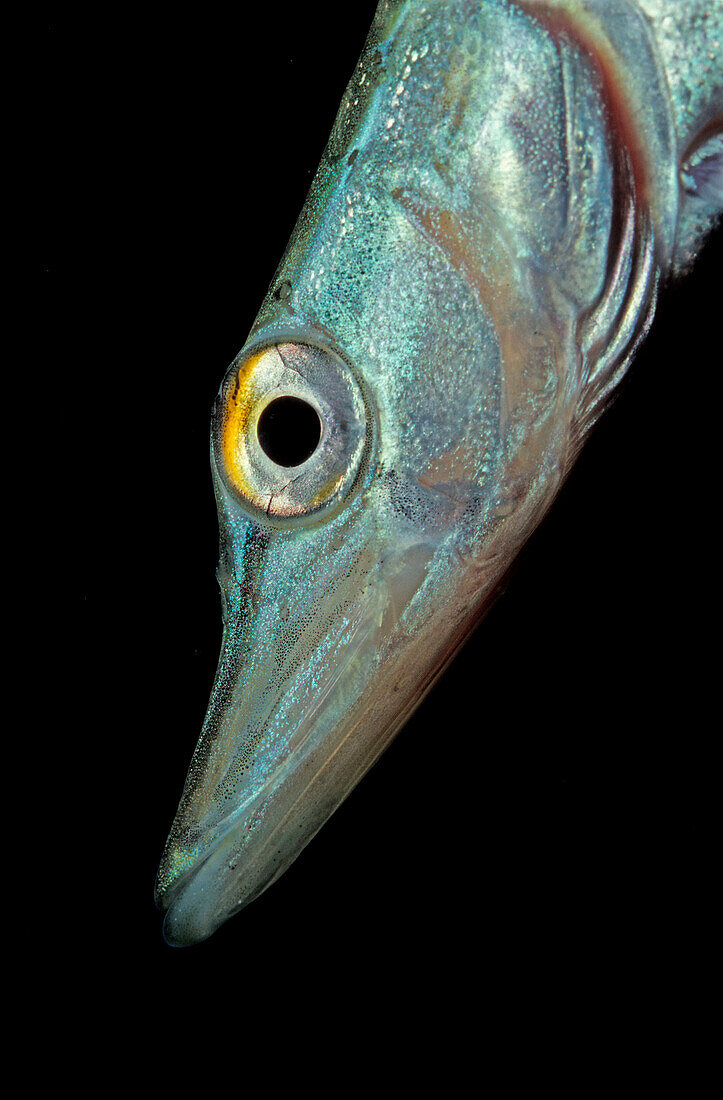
(505, 186)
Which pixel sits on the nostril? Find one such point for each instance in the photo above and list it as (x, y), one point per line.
(289, 431)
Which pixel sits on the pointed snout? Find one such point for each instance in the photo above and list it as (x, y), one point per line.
(313, 681)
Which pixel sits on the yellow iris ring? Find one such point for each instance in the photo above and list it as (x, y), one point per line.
(240, 401)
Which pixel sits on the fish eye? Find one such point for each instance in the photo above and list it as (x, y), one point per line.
(290, 430)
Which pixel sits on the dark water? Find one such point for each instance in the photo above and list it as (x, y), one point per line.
(575, 835)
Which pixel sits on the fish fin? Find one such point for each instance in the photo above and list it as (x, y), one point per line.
(701, 199)
(702, 173)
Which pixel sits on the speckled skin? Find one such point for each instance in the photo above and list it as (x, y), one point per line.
(480, 251)
(689, 39)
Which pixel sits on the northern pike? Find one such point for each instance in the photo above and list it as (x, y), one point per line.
(507, 185)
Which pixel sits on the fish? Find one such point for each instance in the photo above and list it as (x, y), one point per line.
(507, 187)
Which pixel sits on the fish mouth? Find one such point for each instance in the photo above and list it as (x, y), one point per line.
(182, 923)
(166, 897)
(282, 747)
(242, 856)
(238, 861)
(218, 860)
(211, 872)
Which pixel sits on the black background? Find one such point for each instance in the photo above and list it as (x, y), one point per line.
(572, 834)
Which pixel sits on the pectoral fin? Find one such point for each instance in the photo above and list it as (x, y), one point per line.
(701, 181)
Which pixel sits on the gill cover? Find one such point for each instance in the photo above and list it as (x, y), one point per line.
(477, 258)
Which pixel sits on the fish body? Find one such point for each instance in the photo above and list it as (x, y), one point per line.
(506, 186)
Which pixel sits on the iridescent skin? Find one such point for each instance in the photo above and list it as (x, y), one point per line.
(505, 187)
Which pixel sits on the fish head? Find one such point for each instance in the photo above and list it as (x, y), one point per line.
(348, 580)
(358, 554)
(449, 317)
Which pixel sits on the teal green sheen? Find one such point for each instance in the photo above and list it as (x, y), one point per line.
(505, 188)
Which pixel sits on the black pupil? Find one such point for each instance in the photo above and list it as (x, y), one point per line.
(289, 431)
